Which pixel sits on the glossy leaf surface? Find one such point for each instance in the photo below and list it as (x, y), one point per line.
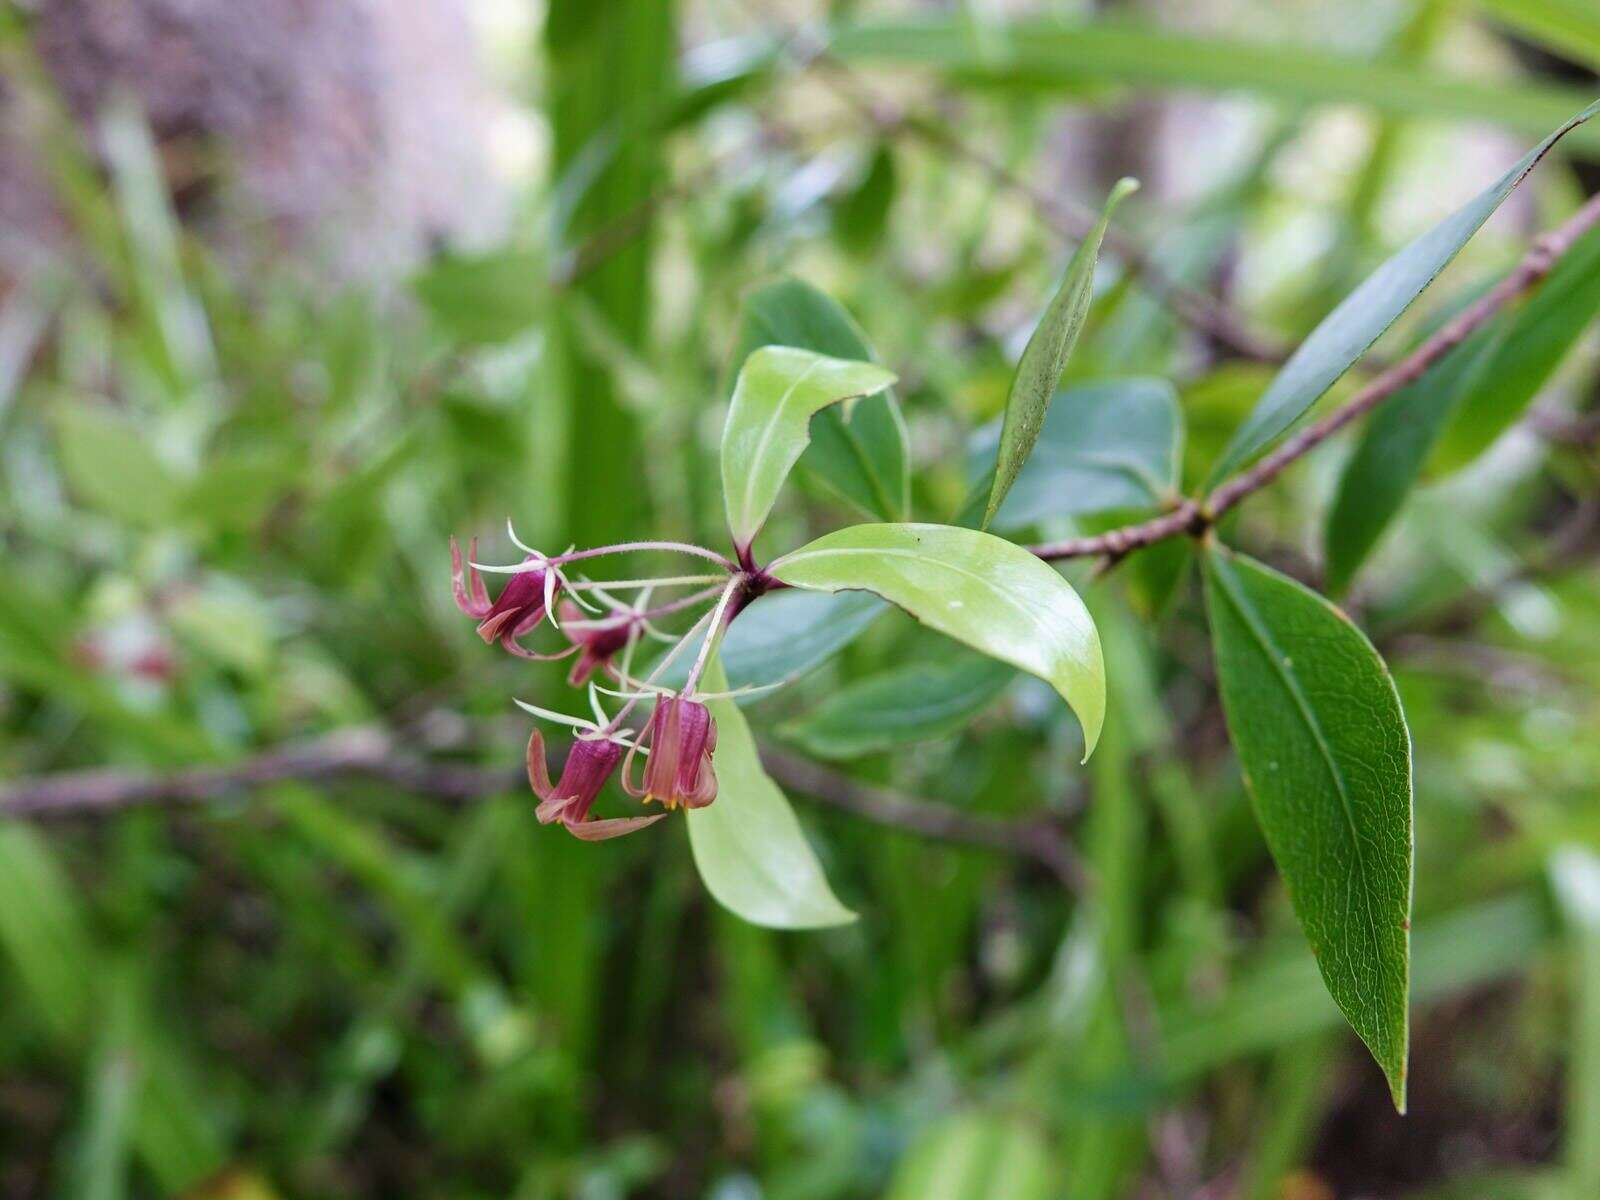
(779, 390)
(993, 595)
(1323, 746)
(858, 455)
(747, 844)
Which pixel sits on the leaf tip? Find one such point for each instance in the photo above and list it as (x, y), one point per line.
(1123, 188)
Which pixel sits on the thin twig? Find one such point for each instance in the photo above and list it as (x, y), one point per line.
(1192, 516)
(1196, 308)
(1040, 840)
(361, 751)
(370, 752)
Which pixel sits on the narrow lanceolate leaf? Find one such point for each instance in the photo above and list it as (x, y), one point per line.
(1539, 337)
(1575, 876)
(1361, 318)
(1104, 446)
(976, 1156)
(1392, 450)
(1325, 753)
(974, 587)
(902, 705)
(858, 452)
(1045, 357)
(780, 389)
(747, 844)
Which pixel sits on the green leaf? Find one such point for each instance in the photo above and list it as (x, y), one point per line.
(974, 587)
(1326, 756)
(108, 461)
(1569, 27)
(862, 215)
(1396, 442)
(783, 635)
(904, 704)
(1346, 333)
(484, 299)
(1056, 56)
(1541, 334)
(976, 1156)
(1575, 879)
(747, 844)
(1104, 446)
(1045, 356)
(859, 455)
(780, 388)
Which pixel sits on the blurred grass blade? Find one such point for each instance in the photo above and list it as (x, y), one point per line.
(1362, 317)
(1567, 27)
(610, 66)
(747, 843)
(1575, 874)
(859, 454)
(1393, 447)
(901, 705)
(976, 1156)
(100, 1162)
(176, 323)
(1045, 356)
(47, 940)
(994, 596)
(1323, 746)
(1284, 999)
(1055, 56)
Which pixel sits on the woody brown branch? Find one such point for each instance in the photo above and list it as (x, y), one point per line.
(373, 753)
(1195, 516)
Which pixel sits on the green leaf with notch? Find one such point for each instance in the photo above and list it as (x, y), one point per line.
(780, 389)
(972, 586)
(914, 703)
(1109, 445)
(1045, 356)
(1362, 316)
(859, 455)
(1323, 745)
(747, 843)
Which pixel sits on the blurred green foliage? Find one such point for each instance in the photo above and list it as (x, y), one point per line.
(225, 499)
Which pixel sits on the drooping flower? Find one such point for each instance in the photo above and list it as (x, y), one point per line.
(589, 764)
(521, 605)
(682, 736)
(597, 642)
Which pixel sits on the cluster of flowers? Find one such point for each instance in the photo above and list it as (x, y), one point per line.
(680, 736)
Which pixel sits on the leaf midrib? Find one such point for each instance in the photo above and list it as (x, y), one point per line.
(1263, 638)
(754, 474)
(1009, 599)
